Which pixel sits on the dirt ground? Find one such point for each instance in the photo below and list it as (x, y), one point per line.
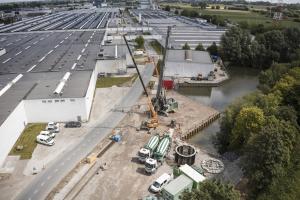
(124, 177)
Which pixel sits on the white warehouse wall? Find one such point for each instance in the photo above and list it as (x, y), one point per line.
(90, 93)
(67, 109)
(11, 129)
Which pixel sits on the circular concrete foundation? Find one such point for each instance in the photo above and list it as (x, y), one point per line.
(185, 154)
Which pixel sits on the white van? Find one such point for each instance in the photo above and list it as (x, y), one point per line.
(48, 133)
(43, 139)
(158, 185)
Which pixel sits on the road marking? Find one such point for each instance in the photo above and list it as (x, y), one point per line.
(47, 35)
(62, 164)
(66, 37)
(6, 60)
(10, 84)
(31, 68)
(70, 34)
(88, 41)
(41, 38)
(9, 44)
(18, 40)
(86, 45)
(61, 42)
(48, 177)
(56, 46)
(18, 53)
(42, 59)
(35, 42)
(78, 57)
(43, 183)
(50, 52)
(74, 65)
(56, 170)
(35, 191)
(27, 47)
(82, 50)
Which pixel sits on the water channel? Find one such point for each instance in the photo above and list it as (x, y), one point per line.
(242, 81)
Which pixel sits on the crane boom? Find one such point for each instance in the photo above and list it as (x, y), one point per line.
(154, 121)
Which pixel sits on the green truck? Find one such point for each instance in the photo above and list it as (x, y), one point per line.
(159, 154)
(147, 151)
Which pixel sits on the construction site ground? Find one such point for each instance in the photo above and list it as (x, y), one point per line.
(123, 176)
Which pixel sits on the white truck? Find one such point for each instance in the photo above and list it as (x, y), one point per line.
(147, 151)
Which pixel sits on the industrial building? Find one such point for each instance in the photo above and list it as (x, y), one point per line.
(44, 97)
(188, 63)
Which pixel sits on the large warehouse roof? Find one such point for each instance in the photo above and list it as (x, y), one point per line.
(187, 63)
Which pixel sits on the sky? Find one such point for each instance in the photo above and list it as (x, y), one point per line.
(285, 1)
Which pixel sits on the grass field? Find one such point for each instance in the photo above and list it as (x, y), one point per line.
(236, 16)
(248, 16)
(104, 82)
(28, 140)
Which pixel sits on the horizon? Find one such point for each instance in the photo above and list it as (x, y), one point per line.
(272, 1)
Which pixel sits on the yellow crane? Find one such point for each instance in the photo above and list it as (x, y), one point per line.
(153, 121)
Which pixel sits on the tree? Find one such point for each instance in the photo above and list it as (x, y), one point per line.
(213, 49)
(275, 43)
(186, 46)
(236, 46)
(218, 7)
(167, 8)
(248, 123)
(269, 153)
(140, 42)
(199, 47)
(212, 190)
(176, 12)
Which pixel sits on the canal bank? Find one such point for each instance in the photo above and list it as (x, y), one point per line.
(242, 81)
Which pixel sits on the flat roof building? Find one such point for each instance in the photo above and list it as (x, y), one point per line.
(188, 63)
(174, 189)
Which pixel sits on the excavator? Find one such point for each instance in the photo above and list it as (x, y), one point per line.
(153, 121)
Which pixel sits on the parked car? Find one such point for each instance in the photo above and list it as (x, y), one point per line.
(158, 185)
(53, 127)
(44, 139)
(73, 124)
(48, 133)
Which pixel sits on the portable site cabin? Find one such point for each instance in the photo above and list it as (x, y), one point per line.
(192, 174)
(174, 189)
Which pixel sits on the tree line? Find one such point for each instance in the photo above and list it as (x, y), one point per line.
(263, 127)
(240, 48)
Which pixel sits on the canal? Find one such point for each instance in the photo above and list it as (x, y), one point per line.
(242, 81)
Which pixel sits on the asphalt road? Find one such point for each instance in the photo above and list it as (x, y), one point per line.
(44, 182)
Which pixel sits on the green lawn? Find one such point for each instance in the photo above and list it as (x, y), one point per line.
(105, 82)
(28, 140)
(237, 16)
(157, 47)
(250, 17)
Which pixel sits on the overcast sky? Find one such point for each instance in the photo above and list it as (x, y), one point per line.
(285, 1)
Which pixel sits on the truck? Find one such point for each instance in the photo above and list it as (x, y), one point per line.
(159, 154)
(147, 151)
